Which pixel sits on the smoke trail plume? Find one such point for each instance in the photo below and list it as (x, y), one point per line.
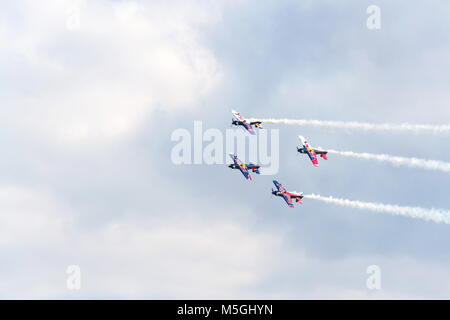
(398, 161)
(435, 215)
(362, 125)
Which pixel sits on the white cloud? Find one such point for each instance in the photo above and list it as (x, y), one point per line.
(98, 82)
(177, 259)
(109, 211)
(174, 257)
(165, 257)
(30, 217)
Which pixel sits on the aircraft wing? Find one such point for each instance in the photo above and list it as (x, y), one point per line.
(308, 150)
(279, 186)
(313, 157)
(303, 141)
(242, 167)
(235, 160)
(237, 115)
(244, 171)
(288, 199)
(248, 127)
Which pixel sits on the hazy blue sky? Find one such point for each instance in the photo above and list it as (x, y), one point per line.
(91, 91)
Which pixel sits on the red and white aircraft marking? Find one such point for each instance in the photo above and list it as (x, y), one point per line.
(287, 196)
(240, 121)
(311, 152)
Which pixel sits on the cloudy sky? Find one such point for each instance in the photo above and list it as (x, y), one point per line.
(91, 92)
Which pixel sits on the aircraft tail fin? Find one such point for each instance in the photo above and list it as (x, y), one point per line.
(254, 168)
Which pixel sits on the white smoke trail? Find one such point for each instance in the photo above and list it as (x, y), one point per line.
(398, 161)
(435, 215)
(361, 125)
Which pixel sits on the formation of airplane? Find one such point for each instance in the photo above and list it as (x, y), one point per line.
(245, 169)
(311, 152)
(287, 196)
(241, 121)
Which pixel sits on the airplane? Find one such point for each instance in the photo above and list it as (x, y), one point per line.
(311, 152)
(240, 121)
(287, 196)
(244, 168)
